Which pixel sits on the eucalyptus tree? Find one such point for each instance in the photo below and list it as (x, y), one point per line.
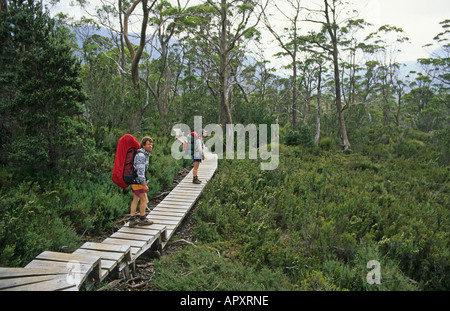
(316, 66)
(440, 58)
(430, 95)
(289, 41)
(167, 21)
(387, 41)
(329, 16)
(221, 29)
(352, 53)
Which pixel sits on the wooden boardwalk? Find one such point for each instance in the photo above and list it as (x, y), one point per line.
(116, 255)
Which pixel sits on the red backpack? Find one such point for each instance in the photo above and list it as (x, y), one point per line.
(123, 171)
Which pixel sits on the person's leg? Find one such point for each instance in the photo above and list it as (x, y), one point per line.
(142, 203)
(196, 165)
(142, 206)
(133, 207)
(195, 172)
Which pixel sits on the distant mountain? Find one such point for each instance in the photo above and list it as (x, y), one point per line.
(85, 32)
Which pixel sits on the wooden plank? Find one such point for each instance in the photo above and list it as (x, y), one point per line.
(102, 254)
(141, 231)
(168, 206)
(176, 204)
(167, 222)
(29, 272)
(108, 264)
(190, 189)
(109, 254)
(160, 227)
(190, 186)
(176, 207)
(182, 197)
(78, 271)
(5, 284)
(171, 212)
(62, 266)
(179, 201)
(184, 192)
(106, 247)
(166, 213)
(84, 264)
(174, 218)
(173, 207)
(67, 257)
(47, 285)
(132, 243)
(170, 226)
(136, 246)
(152, 226)
(128, 236)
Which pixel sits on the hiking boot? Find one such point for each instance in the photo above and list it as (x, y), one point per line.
(143, 221)
(196, 180)
(133, 222)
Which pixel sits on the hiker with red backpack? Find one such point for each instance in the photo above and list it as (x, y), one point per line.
(139, 186)
(130, 164)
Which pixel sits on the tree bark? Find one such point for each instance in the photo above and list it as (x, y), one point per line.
(319, 92)
(332, 31)
(136, 56)
(224, 71)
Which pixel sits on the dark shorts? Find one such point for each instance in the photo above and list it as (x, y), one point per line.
(197, 160)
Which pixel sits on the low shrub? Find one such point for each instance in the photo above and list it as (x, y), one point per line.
(320, 218)
(302, 137)
(204, 268)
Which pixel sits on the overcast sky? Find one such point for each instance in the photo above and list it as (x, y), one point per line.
(418, 18)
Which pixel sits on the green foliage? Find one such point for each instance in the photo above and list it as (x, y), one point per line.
(302, 137)
(320, 217)
(326, 143)
(204, 269)
(30, 225)
(41, 94)
(442, 140)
